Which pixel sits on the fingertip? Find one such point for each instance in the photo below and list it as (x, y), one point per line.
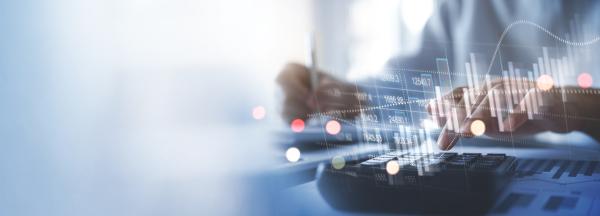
(452, 142)
(442, 139)
(446, 140)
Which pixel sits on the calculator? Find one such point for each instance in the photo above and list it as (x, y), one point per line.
(435, 183)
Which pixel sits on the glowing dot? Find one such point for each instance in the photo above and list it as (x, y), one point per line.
(333, 127)
(477, 128)
(292, 154)
(392, 167)
(584, 80)
(338, 162)
(545, 82)
(297, 125)
(259, 112)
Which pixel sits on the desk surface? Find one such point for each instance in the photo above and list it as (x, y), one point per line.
(526, 195)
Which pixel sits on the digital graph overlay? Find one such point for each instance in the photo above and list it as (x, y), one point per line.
(517, 89)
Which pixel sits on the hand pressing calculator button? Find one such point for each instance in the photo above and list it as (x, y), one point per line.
(443, 183)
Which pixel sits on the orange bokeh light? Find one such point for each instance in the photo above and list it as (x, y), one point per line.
(545, 82)
(333, 127)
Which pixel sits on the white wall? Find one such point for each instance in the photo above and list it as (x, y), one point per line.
(123, 107)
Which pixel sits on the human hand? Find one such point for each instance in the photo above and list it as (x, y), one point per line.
(330, 94)
(534, 111)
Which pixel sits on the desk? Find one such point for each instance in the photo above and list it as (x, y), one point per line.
(304, 199)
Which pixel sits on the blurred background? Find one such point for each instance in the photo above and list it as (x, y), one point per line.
(137, 107)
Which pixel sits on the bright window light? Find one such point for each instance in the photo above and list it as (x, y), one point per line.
(415, 14)
(375, 27)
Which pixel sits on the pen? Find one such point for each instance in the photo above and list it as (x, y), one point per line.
(311, 61)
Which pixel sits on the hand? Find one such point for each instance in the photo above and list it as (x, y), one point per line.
(515, 121)
(301, 100)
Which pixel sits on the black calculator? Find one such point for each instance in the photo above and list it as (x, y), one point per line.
(440, 183)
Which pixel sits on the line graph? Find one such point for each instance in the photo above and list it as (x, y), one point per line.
(548, 32)
(493, 58)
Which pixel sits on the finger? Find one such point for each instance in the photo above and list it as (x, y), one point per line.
(478, 108)
(338, 92)
(484, 94)
(459, 97)
(435, 109)
(294, 110)
(453, 105)
(292, 85)
(460, 113)
(294, 71)
(296, 103)
(481, 112)
(477, 94)
(519, 116)
(436, 106)
(445, 111)
(447, 139)
(451, 130)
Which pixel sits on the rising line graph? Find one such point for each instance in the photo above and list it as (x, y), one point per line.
(505, 32)
(541, 28)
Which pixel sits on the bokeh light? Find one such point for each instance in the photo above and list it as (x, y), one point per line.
(585, 80)
(297, 125)
(292, 154)
(477, 128)
(333, 127)
(259, 112)
(338, 162)
(545, 82)
(392, 167)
